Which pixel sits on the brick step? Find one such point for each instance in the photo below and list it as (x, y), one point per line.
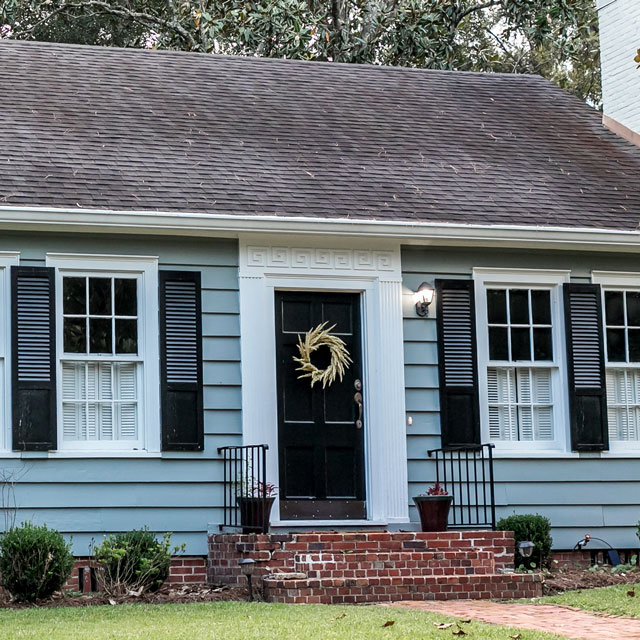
(387, 589)
(397, 563)
(285, 552)
(397, 541)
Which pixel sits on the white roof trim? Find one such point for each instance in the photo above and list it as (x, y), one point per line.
(219, 225)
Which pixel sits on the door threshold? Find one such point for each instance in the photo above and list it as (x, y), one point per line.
(289, 524)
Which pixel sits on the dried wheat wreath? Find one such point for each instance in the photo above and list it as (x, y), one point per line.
(313, 340)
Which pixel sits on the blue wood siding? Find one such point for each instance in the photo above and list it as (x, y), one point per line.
(594, 493)
(181, 491)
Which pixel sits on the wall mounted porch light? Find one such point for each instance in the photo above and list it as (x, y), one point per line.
(423, 297)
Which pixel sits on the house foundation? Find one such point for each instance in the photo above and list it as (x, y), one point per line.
(359, 567)
(191, 570)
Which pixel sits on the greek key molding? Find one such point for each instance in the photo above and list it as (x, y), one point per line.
(303, 259)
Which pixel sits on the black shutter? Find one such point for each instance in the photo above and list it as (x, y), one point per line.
(585, 358)
(33, 358)
(181, 361)
(457, 363)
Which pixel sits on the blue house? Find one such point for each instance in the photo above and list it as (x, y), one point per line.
(173, 224)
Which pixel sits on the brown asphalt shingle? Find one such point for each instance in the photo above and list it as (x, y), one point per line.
(146, 130)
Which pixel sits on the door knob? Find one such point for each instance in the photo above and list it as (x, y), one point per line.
(357, 397)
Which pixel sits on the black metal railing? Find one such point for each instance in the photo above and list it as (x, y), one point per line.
(466, 473)
(247, 495)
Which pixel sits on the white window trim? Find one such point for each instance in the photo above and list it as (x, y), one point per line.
(146, 267)
(486, 277)
(7, 260)
(623, 281)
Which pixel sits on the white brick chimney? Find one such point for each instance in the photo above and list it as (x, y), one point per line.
(619, 41)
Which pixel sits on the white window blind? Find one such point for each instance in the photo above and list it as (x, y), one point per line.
(520, 403)
(623, 404)
(100, 400)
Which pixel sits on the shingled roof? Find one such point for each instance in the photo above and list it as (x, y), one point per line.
(107, 128)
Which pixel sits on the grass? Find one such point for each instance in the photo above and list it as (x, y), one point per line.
(240, 621)
(612, 600)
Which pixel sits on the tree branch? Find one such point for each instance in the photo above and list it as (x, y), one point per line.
(49, 16)
(477, 7)
(147, 20)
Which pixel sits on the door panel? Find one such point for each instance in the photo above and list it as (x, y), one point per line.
(321, 450)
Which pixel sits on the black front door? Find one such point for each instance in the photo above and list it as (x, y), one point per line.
(320, 432)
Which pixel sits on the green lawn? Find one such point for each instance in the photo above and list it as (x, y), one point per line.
(607, 599)
(239, 621)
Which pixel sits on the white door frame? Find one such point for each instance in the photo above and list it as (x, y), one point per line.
(371, 268)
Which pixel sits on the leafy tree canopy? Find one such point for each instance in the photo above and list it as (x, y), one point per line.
(555, 38)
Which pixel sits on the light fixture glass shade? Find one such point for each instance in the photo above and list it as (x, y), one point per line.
(424, 294)
(247, 565)
(526, 548)
(423, 298)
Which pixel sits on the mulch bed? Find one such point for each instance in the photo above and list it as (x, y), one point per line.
(559, 580)
(165, 595)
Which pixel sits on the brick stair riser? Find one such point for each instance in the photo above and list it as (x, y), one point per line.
(389, 590)
(500, 543)
(326, 565)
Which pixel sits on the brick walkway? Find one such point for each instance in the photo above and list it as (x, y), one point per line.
(564, 621)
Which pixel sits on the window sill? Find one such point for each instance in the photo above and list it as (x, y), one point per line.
(53, 455)
(565, 455)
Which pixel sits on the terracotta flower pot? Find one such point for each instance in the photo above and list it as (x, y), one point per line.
(255, 513)
(434, 512)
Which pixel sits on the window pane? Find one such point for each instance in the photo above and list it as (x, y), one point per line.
(498, 346)
(542, 348)
(541, 307)
(100, 296)
(615, 345)
(613, 307)
(497, 306)
(125, 294)
(126, 336)
(100, 335)
(74, 338)
(525, 423)
(543, 420)
(519, 306)
(74, 296)
(633, 308)
(634, 345)
(520, 344)
(109, 410)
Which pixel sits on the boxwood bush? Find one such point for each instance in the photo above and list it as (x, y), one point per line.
(535, 528)
(134, 561)
(34, 561)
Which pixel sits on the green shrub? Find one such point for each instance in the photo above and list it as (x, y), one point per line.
(34, 561)
(535, 528)
(134, 561)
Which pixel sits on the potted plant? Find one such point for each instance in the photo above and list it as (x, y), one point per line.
(255, 504)
(433, 508)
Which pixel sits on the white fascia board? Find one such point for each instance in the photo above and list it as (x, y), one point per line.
(221, 225)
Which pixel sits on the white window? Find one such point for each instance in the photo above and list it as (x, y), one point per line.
(520, 349)
(107, 335)
(621, 316)
(7, 259)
